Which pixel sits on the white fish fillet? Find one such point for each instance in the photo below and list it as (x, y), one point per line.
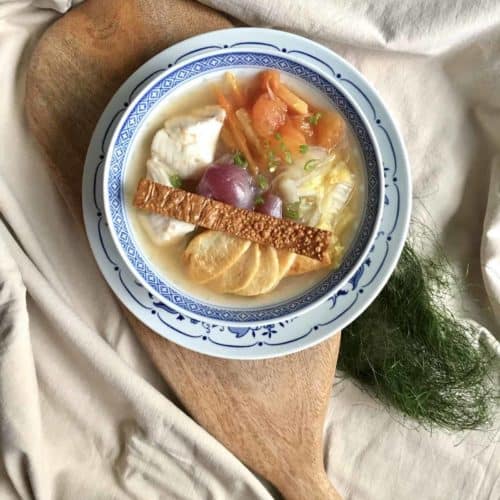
(184, 146)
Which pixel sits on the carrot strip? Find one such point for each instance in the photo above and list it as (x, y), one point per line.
(270, 81)
(269, 78)
(246, 125)
(235, 88)
(238, 135)
(292, 100)
(227, 138)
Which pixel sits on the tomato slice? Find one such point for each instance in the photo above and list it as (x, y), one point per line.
(287, 141)
(268, 114)
(300, 122)
(330, 129)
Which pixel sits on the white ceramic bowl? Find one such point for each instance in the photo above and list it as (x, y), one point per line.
(283, 337)
(173, 83)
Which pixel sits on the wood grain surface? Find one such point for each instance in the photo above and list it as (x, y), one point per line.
(269, 413)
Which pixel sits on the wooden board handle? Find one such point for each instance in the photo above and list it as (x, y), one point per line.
(269, 413)
(317, 488)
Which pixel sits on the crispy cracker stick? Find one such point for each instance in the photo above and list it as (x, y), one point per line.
(245, 224)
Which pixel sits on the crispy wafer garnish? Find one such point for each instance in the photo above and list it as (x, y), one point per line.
(245, 224)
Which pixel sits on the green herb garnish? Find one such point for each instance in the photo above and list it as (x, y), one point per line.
(175, 180)
(311, 164)
(413, 353)
(303, 148)
(273, 162)
(314, 119)
(286, 151)
(259, 200)
(292, 210)
(240, 160)
(262, 182)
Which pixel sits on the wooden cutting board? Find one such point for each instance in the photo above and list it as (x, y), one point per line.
(269, 413)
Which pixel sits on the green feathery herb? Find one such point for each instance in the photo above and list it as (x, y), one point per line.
(303, 148)
(414, 354)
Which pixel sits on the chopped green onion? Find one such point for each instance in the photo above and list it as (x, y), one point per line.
(314, 119)
(240, 160)
(283, 147)
(279, 138)
(175, 180)
(303, 148)
(292, 210)
(262, 182)
(259, 200)
(273, 162)
(311, 164)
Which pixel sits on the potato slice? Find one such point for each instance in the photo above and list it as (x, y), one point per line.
(267, 275)
(286, 260)
(303, 264)
(239, 274)
(211, 253)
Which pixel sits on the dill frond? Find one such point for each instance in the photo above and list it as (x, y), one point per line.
(413, 353)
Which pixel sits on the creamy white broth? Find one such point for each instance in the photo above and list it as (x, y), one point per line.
(168, 259)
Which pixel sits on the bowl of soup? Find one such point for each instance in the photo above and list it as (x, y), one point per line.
(243, 188)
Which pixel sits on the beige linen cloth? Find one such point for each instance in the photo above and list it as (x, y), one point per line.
(83, 414)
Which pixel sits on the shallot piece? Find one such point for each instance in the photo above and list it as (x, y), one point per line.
(273, 205)
(230, 184)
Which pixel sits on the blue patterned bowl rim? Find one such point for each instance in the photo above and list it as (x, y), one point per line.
(115, 171)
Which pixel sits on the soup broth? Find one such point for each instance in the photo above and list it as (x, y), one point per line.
(168, 259)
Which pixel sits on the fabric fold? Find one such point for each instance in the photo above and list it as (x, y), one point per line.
(84, 414)
(21, 432)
